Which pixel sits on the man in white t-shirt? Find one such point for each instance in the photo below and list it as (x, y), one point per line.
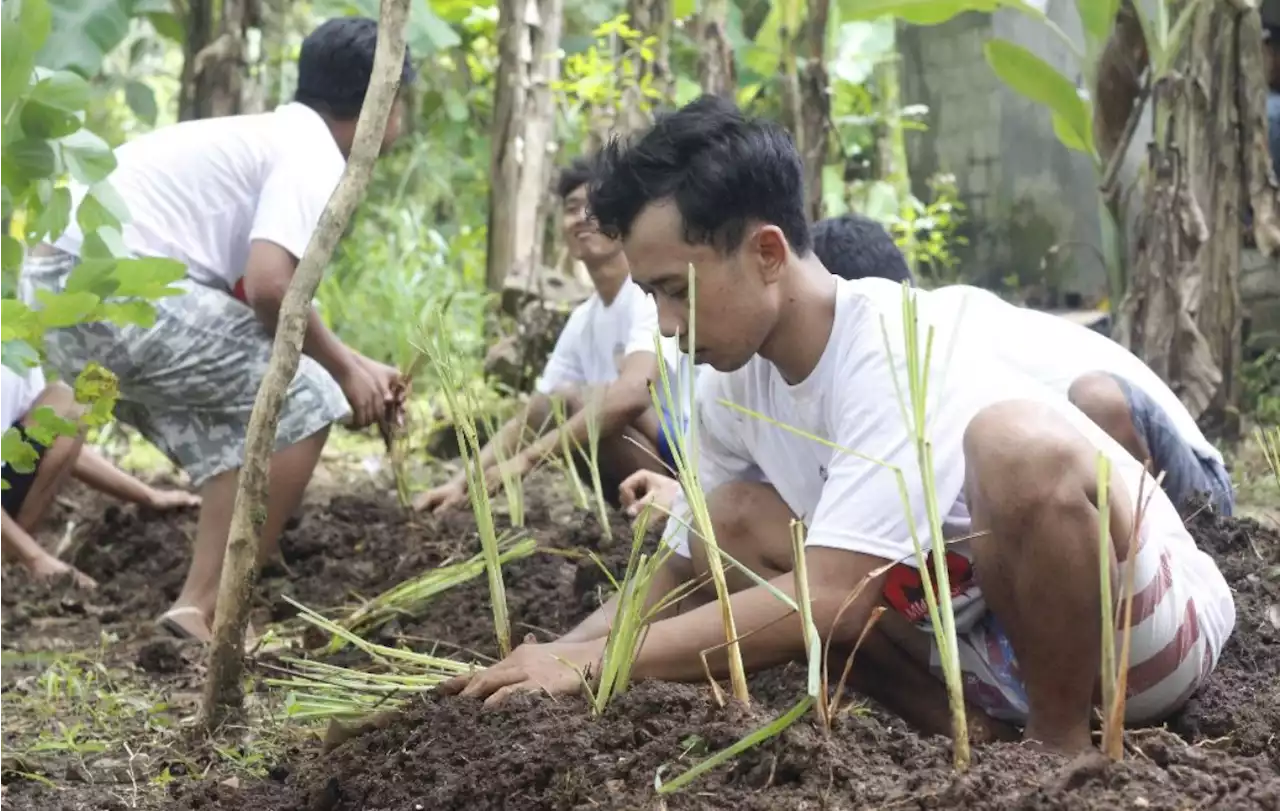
(236, 199)
(603, 357)
(31, 484)
(1015, 470)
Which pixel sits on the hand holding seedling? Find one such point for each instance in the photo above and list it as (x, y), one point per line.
(645, 487)
(554, 667)
(370, 387)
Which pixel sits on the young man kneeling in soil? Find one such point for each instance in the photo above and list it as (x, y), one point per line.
(600, 369)
(28, 495)
(1015, 467)
(1110, 384)
(236, 200)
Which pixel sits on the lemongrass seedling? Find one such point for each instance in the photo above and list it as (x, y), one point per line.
(512, 482)
(684, 451)
(566, 450)
(592, 407)
(1269, 441)
(469, 448)
(1105, 557)
(812, 641)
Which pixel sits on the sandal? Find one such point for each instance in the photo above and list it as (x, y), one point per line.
(169, 622)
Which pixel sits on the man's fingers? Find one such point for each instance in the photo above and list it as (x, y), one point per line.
(505, 693)
(495, 678)
(636, 507)
(455, 685)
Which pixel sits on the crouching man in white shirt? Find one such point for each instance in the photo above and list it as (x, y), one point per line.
(236, 200)
(600, 369)
(1014, 461)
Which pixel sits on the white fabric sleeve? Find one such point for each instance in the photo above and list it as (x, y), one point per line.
(721, 455)
(644, 325)
(563, 367)
(291, 201)
(861, 508)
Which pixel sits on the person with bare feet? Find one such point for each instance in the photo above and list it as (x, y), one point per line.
(236, 199)
(851, 246)
(32, 485)
(1015, 470)
(600, 368)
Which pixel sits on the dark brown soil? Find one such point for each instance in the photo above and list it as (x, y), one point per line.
(1222, 751)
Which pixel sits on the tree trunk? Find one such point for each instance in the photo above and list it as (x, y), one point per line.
(715, 56)
(1181, 311)
(223, 694)
(815, 105)
(528, 43)
(213, 67)
(652, 18)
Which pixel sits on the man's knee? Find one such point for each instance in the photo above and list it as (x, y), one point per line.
(751, 524)
(1102, 399)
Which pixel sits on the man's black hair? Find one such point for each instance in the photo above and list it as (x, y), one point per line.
(574, 176)
(856, 247)
(721, 168)
(335, 65)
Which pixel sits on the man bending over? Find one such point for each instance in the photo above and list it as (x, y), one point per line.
(600, 369)
(1016, 470)
(236, 200)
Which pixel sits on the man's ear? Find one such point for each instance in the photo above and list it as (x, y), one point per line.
(770, 247)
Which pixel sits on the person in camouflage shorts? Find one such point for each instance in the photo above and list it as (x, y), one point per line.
(236, 200)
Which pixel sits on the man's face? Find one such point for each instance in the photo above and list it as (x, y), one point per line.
(580, 233)
(736, 296)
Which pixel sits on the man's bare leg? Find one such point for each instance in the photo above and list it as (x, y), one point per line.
(753, 524)
(1032, 483)
(1102, 400)
(291, 471)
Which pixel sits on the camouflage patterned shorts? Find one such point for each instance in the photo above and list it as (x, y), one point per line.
(188, 382)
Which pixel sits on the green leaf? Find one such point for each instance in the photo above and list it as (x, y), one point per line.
(1032, 77)
(42, 121)
(54, 217)
(101, 208)
(142, 100)
(430, 29)
(17, 321)
(95, 276)
(169, 26)
(917, 12)
(681, 9)
(88, 157)
(99, 388)
(105, 243)
(1069, 138)
(45, 425)
(83, 33)
(23, 29)
(64, 309)
(148, 277)
(127, 313)
(32, 158)
(1098, 17)
(17, 452)
(19, 355)
(62, 90)
(11, 253)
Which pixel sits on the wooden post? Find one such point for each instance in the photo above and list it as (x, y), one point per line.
(222, 694)
(716, 71)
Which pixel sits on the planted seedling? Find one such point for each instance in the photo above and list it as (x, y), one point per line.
(566, 452)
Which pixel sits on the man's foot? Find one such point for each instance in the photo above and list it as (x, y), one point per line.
(186, 622)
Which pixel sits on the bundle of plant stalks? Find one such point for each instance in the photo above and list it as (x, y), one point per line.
(410, 598)
(318, 690)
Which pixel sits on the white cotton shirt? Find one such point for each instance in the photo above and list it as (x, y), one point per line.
(20, 393)
(846, 500)
(597, 336)
(200, 191)
(1057, 352)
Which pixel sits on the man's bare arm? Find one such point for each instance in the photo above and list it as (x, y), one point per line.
(676, 572)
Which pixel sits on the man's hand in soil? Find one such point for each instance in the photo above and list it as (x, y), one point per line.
(516, 467)
(554, 667)
(646, 487)
(47, 567)
(163, 500)
(367, 390)
(441, 499)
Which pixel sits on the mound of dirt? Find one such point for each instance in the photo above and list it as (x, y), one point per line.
(537, 753)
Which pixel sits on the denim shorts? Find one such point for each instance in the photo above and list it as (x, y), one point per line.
(1188, 477)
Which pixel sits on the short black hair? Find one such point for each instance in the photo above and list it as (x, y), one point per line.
(335, 65)
(856, 247)
(721, 168)
(574, 176)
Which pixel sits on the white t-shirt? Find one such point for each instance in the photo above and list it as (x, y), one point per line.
(19, 394)
(848, 501)
(200, 191)
(596, 338)
(1057, 352)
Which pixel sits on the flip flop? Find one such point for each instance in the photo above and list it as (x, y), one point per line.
(169, 622)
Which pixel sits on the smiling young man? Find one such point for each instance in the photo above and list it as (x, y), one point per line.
(600, 368)
(1015, 467)
(236, 200)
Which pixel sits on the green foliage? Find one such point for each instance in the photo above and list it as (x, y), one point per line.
(1260, 387)
(927, 232)
(1030, 76)
(44, 140)
(597, 81)
(427, 33)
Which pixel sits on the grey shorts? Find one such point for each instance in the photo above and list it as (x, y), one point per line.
(188, 382)
(1188, 477)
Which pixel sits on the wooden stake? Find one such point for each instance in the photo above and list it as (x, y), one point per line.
(223, 693)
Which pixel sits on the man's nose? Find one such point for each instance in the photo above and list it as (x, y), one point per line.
(670, 319)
